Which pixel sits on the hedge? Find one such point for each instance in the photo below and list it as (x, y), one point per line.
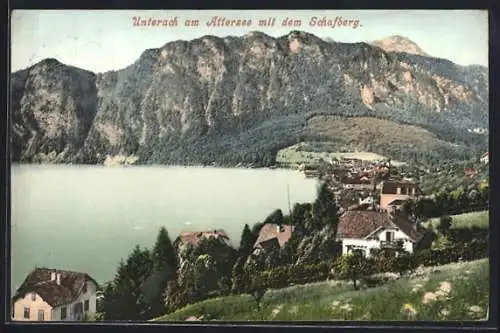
(476, 249)
(286, 275)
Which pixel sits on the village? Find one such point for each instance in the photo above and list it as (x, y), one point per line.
(370, 197)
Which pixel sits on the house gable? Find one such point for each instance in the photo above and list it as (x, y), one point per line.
(30, 304)
(397, 234)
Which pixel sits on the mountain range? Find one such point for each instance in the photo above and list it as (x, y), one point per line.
(238, 100)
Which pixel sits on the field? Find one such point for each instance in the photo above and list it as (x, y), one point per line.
(458, 291)
(467, 220)
(291, 155)
(365, 138)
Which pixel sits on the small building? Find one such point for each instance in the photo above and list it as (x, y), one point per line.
(50, 294)
(369, 200)
(373, 230)
(397, 190)
(396, 206)
(359, 184)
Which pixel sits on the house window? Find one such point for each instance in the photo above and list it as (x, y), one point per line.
(86, 306)
(41, 315)
(26, 312)
(64, 313)
(389, 236)
(33, 296)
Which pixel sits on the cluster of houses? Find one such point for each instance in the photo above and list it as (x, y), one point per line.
(366, 227)
(49, 294)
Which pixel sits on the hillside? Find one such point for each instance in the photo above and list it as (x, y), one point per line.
(383, 138)
(457, 291)
(468, 220)
(241, 99)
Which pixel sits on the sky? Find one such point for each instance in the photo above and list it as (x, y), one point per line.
(103, 40)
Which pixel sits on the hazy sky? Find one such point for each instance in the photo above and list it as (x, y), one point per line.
(106, 40)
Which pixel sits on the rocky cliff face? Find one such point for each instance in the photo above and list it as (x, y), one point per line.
(52, 110)
(238, 99)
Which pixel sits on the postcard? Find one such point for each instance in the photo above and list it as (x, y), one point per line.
(255, 165)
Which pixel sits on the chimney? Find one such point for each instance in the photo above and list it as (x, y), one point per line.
(52, 276)
(278, 228)
(58, 278)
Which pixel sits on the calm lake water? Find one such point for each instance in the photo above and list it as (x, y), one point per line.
(86, 218)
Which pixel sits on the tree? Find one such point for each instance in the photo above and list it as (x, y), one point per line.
(247, 241)
(239, 277)
(124, 297)
(325, 209)
(178, 294)
(256, 229)
(275, 217)
(354, 267)
(205, 275)
(163, 250)
(208, 266)
(403, 263)
(301, 215)
(165, 264)
(445, 223)
(257, 289)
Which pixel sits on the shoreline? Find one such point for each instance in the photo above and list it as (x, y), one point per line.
(123, 166)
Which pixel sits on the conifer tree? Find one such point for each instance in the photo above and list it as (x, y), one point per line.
(124, 297)
(165, 264)
(247, 241)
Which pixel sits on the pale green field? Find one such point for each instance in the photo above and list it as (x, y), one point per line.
(290, 155)
(467, 220)
(458, 291)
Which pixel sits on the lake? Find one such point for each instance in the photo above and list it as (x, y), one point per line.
(86, 218)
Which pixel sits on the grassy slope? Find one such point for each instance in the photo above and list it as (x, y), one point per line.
(360, 133)
(467, 220)
(292, 155)
(337, 300)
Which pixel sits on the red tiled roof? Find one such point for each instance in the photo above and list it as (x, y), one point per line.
(39, 281)
(408, 228)
(194, 237)
(270, 231)
(359, 224)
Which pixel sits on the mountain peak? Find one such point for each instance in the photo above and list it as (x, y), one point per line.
(50, 61)
(398, 43)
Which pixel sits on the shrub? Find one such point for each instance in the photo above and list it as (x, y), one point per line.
(444, 224)
(355, 267)
(476, 249)
(402, 263)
